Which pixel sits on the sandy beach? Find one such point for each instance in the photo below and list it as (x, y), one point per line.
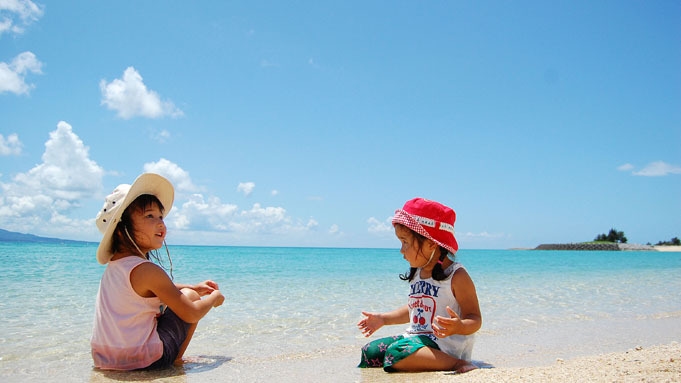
(676, 249)
(660, 363)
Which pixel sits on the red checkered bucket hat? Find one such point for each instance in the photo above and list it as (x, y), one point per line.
(431, 219)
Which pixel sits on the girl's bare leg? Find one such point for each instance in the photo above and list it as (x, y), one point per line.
(194, 296)
(430, 359)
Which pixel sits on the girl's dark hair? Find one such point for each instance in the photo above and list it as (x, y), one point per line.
(438, 273)
(121, 241)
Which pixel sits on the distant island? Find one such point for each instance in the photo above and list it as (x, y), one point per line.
(613, 241)
(11, 236)
(595, 246)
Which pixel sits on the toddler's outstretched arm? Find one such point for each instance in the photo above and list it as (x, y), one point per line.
(374, 321)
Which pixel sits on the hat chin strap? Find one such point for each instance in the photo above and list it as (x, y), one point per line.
(429, 259)
(137, 247)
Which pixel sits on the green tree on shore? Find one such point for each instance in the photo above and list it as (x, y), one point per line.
(674, 242)
(613, 236)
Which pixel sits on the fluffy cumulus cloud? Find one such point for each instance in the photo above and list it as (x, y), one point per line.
(175, 174)
(380, 227)
(264, 216)
(10, 146)
(194, 214)
(246, 188)
(44, 196)
(16, 15)
(198, 213)
(335, 230)
(129, 97)
(653, 169)
(45, 199)
(13, 74)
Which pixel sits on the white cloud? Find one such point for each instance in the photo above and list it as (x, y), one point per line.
(380, 227)
(11, 145)
(197, 213)
(15, 15)
(210, 214)
(42, 198)
(264, 216)
(13, 75)
(274, 192)
(658, 169)
(312, 224)
(482, 234)
(175, 174)
(246, 188)
(626, 167)
(161, 136)
(129, 97)
(45, 199)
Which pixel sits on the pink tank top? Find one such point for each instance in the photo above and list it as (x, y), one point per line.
(124, 335)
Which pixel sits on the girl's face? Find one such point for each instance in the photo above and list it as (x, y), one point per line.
(150, 230)
(410, 247)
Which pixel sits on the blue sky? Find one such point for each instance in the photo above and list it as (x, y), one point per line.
(307, 123)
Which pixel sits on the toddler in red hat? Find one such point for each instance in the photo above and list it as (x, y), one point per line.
(442, 311)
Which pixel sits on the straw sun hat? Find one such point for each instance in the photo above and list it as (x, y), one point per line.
(116, 203)
(431, 219)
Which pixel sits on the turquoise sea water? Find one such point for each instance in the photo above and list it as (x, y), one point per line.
(284, 303)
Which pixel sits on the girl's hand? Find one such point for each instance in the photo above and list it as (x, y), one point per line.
(206, 287)
(370, 324)
(444, 327)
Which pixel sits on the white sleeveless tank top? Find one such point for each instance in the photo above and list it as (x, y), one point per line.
(429, 298)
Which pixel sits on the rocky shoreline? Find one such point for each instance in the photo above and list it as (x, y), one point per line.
(596, 246)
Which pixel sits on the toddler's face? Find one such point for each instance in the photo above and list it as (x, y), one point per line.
(410, 247)
(149, 228)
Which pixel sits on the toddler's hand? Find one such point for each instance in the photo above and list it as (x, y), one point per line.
(370, 324)
(206, 287)
(444, 327)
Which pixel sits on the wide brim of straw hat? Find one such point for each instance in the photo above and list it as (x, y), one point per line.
(147, 183)
(404, 218)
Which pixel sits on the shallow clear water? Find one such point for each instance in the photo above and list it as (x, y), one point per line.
(290, 302)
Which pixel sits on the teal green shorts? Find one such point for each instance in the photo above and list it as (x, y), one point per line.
(385, 352)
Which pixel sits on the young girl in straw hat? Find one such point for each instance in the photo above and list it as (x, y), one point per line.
(442, 310)
(142, 318)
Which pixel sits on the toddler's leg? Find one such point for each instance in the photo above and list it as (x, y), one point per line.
(373, 353)
(194, 296)
(430, 359)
